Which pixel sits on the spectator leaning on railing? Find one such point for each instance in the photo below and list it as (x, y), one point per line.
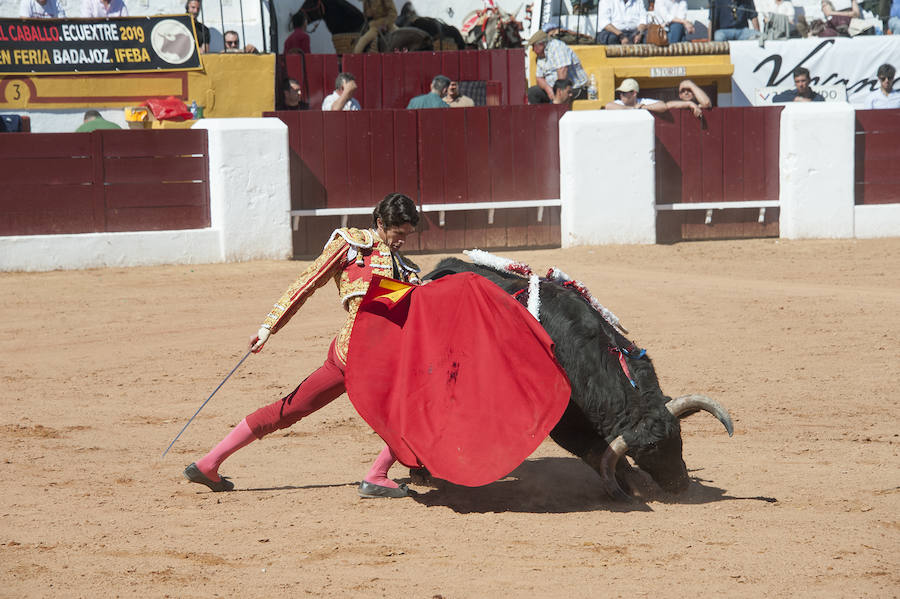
(690, 96)
(627, 98)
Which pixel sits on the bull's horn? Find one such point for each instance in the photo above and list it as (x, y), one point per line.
(608, 462)
(686, 403)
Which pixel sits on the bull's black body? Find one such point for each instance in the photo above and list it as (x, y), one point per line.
(603, 404)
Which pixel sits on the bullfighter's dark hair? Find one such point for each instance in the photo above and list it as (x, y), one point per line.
(394, 210)
(801, 71)
(887, 70)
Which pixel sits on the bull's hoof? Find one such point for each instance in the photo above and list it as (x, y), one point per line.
(419, 476)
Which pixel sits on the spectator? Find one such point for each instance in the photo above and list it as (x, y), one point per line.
(894, 18)
(233, 44)
(456, 100)
(41, 9)
(690, 96)
(624, 22)
(627, 98)
(434, 98)
(802, 92)
(93, 121)
(778, 18)
(192, 7)
(298, 41)
(342, 96)
(555, 60)
(380, 15)
(562, 92)
(731, 20)
(98, 9)
(673, 14)
(291, 96)
(884, 96)
(837, 22)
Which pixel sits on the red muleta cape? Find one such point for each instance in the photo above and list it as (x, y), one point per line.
(454, 375)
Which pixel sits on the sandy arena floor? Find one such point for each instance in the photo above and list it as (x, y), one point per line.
(100, 369)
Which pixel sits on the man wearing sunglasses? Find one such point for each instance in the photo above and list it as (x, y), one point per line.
(233, 44)
(884, 96)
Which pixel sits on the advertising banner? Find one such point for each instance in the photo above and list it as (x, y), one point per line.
(848, 62)
(129, 44)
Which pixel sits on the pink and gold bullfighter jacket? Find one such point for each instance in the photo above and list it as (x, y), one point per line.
(350, 258)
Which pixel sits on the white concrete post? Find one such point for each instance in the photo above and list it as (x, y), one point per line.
(607, 177)
(250, 187)
(816, 170)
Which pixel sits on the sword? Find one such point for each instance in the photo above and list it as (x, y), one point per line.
(204, 403)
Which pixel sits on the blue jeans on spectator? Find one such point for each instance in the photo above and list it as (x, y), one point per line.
(731, 35)
(894, 25)
(676, 33)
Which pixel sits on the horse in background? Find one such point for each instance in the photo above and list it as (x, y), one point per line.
(492, 28)
(346, 23)
(446, 37)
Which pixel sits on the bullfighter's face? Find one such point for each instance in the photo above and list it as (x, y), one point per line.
(394, 237)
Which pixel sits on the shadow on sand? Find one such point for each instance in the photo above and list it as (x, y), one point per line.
(558, 485)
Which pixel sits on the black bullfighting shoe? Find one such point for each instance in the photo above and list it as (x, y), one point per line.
(367, 489)
(193, 474)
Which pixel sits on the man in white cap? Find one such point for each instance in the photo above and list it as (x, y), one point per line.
(627, 98)
(555, 60)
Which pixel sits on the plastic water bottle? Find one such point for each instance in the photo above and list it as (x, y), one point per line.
(196, 111)
(592, 88)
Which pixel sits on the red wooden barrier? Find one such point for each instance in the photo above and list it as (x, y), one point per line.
(730, 155)
(455, 156)
(391, 80)
(877, 157)
(103, 181)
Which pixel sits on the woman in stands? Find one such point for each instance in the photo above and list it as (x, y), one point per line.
(673, 15)
(350, 258)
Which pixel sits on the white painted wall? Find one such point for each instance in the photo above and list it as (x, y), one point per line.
(879, 220)
(250, 187)
(607, 177)
(816, 174)
(249, 213)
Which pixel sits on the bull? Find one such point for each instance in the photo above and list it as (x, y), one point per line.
(610, 414)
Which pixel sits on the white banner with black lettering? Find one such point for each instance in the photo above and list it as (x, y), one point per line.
(851, 62)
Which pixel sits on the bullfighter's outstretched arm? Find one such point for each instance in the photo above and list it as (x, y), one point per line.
(323, 269)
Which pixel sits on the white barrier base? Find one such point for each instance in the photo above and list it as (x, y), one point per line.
(877, 220)
(96, 250)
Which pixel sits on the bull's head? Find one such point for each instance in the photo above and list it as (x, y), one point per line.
(661, 459)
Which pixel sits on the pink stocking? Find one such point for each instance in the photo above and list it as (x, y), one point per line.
(378, 472)
(240, 436)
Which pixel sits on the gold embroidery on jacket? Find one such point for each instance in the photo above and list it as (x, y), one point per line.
(340, 261)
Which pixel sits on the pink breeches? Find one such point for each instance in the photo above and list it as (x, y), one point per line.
(316, 391)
